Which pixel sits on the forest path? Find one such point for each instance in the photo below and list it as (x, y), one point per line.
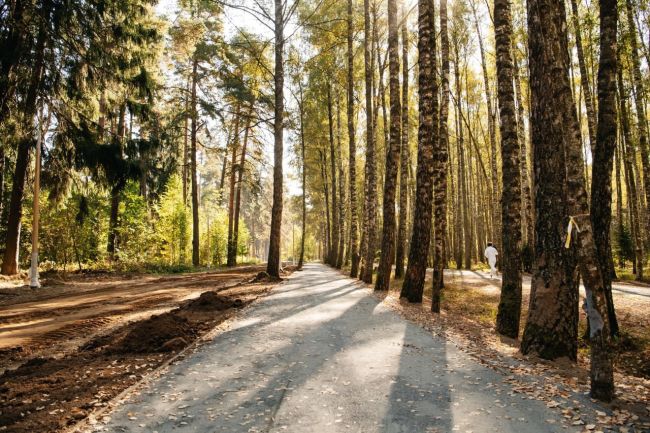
(620, 289)
(321, 354)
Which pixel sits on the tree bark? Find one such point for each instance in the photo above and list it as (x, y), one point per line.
(352, 161)
(549, 55)
(273, 264)
(404, 155)
(584, 77)
(552, 327)
(240, 175)
(339, 161)
(603, 152)
(509, 311)
(370, 181)
(441, 163)
(26, 142)
(492, 126)
(303, 173)
(231, 249)
(632, 193)
(413, 286)
(392, 155)
(328, 227)
(528, 232)
(334, 247)
(639, 101)
(193, 174)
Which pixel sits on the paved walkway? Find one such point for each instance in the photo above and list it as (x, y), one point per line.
(320, 354)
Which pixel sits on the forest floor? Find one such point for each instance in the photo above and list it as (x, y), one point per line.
(73, 345)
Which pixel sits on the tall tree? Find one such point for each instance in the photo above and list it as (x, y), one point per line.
(273, 264)
(510, 303)
(584, 77)
(303, 174)
(631, 185)
(387, 256)
(557, 118)
(404, 155)
(194, 125)
(370, 211)
(334, 247)
(352, 160)
(604, 148)
(441, 168)
(25, 143)
(413, 285)
(639, 101)
(552, 327)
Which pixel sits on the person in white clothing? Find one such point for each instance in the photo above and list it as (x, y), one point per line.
(491, 254)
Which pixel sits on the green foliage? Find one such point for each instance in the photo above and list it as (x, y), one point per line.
(624, 246)
(173, 225)
(137, 240)
(73, 230)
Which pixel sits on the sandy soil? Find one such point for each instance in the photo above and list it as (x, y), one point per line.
(63, 315)
(83, 342)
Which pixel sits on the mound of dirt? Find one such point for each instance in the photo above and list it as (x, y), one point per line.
(210, 301)
(151, 335)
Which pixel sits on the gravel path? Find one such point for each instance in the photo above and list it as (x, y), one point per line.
(320, 354)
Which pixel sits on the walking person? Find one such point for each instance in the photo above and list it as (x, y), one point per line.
(491, 254)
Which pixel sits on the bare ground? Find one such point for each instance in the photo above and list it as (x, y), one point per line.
(71, 347)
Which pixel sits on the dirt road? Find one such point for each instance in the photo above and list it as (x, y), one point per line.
(63, 315)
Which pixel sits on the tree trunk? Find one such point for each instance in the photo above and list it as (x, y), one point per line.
(392, 155)
(639, 100)
(334, 247)
(231, 248)
(370, 211)
(354, 243)
(195, 191)
(186, 149)
(301, 106)
(491, 112)
(440, 169)
(510, 303)
(404, 155)
(26, 142)
(240, 175)
(632, 194)
(528, 232)
(273, 265)
(339, 162)
(584, 77)
(548, 55)
(603, 153)
(413, 285)
(552, 327)
(328, 235)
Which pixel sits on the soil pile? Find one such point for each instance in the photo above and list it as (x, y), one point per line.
(210, 301)
(153, 334)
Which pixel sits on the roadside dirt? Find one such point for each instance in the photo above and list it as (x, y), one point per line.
(65, 314)
(60, 383)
